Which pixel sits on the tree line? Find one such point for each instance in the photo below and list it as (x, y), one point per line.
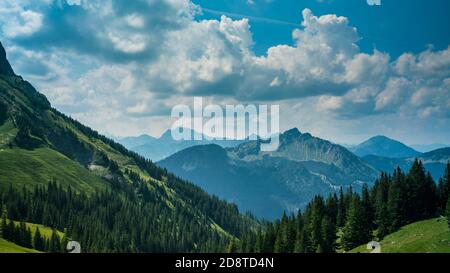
(126, 218)
(346, 220)
(137, 218)
(21, 235)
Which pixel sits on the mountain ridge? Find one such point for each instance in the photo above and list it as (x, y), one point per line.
(433, 162)
(383, 146)
(284, 180)
(159, 148)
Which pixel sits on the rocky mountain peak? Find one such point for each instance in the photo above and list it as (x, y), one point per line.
(5, 67)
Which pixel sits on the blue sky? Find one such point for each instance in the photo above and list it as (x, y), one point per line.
(340, 69)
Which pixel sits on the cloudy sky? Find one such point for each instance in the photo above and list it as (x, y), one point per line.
(340, 69)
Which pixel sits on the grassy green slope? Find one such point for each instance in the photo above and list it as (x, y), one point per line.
(45, 231)
(39, 166)
(8, 247)
(429, 236)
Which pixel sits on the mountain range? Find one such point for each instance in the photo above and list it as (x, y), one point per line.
(158, 148)
(385, 154)
(433, 162)
(424, 148)
(268, 183)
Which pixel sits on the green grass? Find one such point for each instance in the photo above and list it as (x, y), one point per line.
(8, 247)
(39, 166)
(429, 236)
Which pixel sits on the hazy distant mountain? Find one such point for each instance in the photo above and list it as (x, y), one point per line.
(131, 142)
(429, 147)
(385, 147)
(268, 183)
(164, 146)
(433, 161)
(439, 155)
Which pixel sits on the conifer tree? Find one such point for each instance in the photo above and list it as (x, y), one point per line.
(283, 238)
(332, 208)
(448, 211)
(416, 184)
(28, 238)
(259, 241)
(341, 214)
(54, 242)
(383, 222)
(317, 213)
(443, 190)
(356, 231)
(269, 239)
(367, 206)
(395, 204)
(5, 233)
(328, 244)
(38, 241)
(12, 232)
(305, 243)
(429, 196)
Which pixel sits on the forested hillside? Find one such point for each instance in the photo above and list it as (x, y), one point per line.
(347, 220)
(57, 172)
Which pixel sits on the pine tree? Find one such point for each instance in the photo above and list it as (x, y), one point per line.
(12, 232)
(298, 233)
(341, 215)
(259, 241)
(443, 190)
(283, 238)
(429, 196)
(5, 233)
(356, 231)
(54, 243)
(383, 222)
(416, 189)
(448, 211)
(317, 213)
(328, 236)
(332, 208)
(28, 238)
(367, 206)
(396, 198)
(348, 197)
(38, 241)
(269, 239)
(442, 197)
(305, 243)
